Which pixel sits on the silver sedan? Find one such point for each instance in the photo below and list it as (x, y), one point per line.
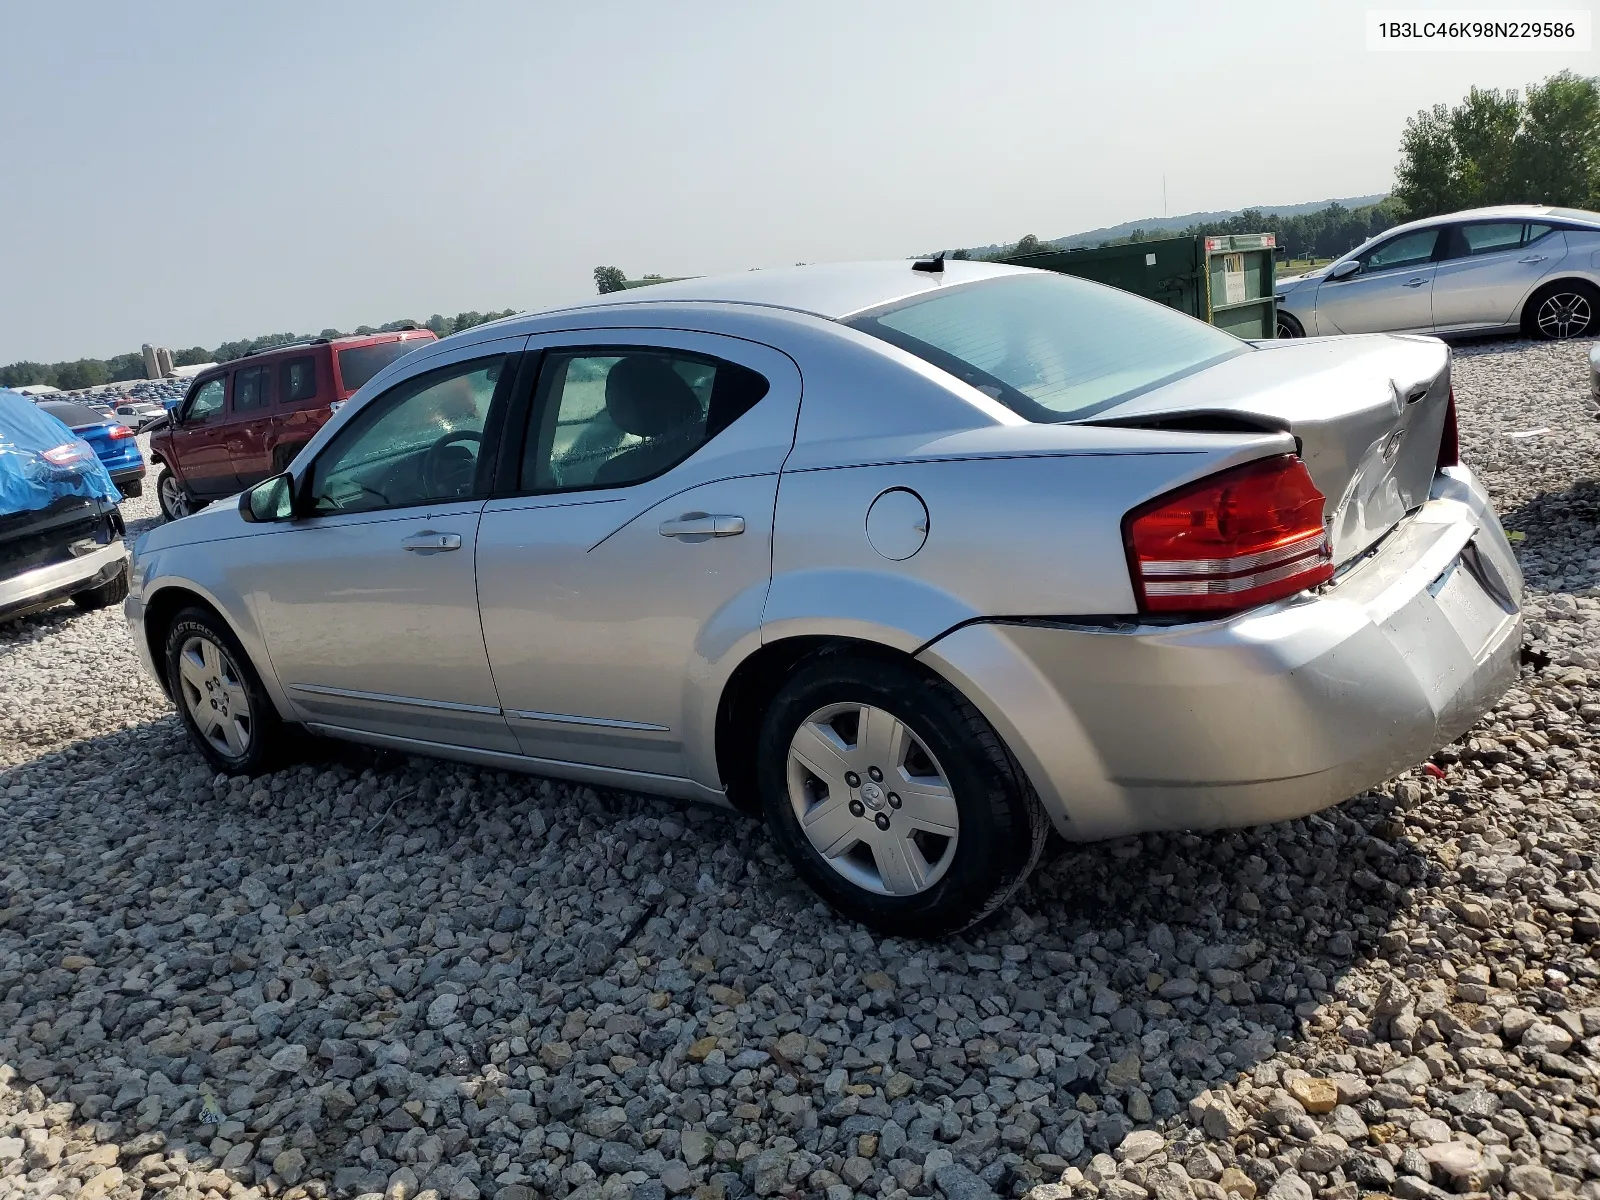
(916, 560)
(1488, 270)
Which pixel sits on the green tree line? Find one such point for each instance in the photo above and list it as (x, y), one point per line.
(1496, 147)
(89, 372)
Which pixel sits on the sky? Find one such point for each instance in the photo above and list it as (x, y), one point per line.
(189, 173)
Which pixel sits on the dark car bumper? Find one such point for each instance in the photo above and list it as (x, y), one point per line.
(55, 552)
(129, 480)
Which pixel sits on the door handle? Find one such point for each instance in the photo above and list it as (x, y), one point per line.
(429, 542)
(1414, 283)
(1533, 258)
(697, 526)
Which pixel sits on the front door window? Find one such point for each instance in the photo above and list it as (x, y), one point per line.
(418, 443)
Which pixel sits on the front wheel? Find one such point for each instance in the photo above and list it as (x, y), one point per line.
(174, 500)
(894, 798)
(1562, 311)
(225, 708)
(1288, 327)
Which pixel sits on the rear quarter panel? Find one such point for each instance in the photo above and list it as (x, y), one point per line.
(1009, 534)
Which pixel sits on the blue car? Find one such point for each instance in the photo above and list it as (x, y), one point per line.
(115, 443)
(60, 531)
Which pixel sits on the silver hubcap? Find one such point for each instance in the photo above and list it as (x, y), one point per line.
(1564, 315)
(215, 696)
(176, 502)
(872, 800)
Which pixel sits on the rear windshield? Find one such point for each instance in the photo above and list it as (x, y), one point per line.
(361, 363)
(1050, 347)
(74, 416)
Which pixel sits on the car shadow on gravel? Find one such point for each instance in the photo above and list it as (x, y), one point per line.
(171, 940)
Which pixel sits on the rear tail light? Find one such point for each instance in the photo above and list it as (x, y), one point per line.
(63, 455)
(1243, 537)
(118, 432)
(1450, 440)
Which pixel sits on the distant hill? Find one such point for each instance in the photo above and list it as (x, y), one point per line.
(1095, 237)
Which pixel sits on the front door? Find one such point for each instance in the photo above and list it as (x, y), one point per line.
(637, 549)
(1488, 269)
(199, 442)
(1391, 293)
(369, 604)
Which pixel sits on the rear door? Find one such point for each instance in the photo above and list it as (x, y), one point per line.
(304, 403)
(638, 543)
(249, 423)
(1488, 269)
(199, 441)
(1391, 293)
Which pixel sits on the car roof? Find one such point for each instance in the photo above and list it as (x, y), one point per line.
(830, 290)
(1501, 212)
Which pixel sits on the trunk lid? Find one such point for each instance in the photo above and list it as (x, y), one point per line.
(1368, 413)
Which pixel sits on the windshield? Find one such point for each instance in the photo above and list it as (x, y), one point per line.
(360, 363)
(1050, 347)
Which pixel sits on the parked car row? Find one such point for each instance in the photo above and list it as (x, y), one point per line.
(918, 561)
(1489, 270)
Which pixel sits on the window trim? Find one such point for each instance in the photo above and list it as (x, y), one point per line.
(532, 398)
(488, 448)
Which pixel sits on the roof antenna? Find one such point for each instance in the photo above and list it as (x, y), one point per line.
(935, 265)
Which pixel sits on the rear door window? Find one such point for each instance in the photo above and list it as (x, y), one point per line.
(251, 389)
(1491, 237)
(298, 380)
(618, 416)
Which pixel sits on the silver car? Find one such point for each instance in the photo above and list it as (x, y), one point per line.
(1489, 270)
(916, 560)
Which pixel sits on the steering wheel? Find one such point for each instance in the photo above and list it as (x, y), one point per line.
(432, 458)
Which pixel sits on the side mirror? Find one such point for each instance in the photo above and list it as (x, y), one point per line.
(1345, 269)
(270, 500)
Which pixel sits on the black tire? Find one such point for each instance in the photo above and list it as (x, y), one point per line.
(1575, 297)
(133, 489)
(1289, 327)
(269, 741)
(1002, 826)
(113, 591)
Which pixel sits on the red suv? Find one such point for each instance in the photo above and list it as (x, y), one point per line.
(244, 420)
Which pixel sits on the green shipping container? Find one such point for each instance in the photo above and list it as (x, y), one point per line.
(1226, 279)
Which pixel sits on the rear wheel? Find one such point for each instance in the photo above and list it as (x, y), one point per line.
(132, 489)
(1288, 327)
(225, 708)
(113, 591)
(894, 798)
(1563, 310)
(175, 502)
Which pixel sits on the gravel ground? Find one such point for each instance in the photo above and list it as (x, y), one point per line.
(424, 980)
